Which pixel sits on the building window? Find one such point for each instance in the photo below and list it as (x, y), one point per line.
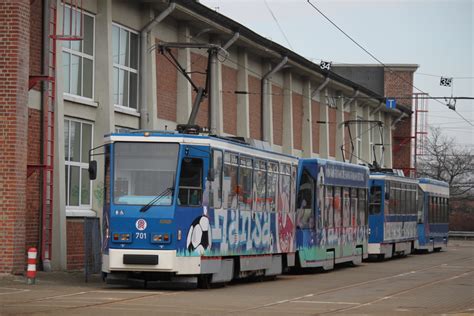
(77, 142)
(78, 55)
(125, 59)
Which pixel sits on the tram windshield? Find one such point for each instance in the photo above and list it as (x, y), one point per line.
(142, 171)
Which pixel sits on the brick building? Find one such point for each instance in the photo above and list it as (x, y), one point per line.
(111, 80)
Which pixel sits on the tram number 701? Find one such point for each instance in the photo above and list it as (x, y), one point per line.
(139, 235)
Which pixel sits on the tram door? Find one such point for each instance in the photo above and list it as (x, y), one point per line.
(376, 216)
(305, 216)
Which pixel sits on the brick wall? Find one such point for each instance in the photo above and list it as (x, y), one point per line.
(399, 84)
(332, 131)
(33, 186)
(229, 99)
(199, 64)
(75, 243)
(277, 100)
(166, 87)
(255, 107)
(315, 117)
(36, 42)
(14, 65)
(297, 120)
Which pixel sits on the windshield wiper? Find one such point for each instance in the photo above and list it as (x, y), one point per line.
(155, 199)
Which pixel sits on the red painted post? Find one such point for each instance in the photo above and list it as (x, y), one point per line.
(31, 270)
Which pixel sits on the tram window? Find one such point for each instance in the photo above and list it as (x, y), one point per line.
(355, 220)
(272, 186)
(346, 204)
(419, 205)
(321, 198)
(305, 211)
(337, 207)
(403, 199)
(293, 189)
(229, 183)
(215, 187)
(375, 200)
(362, 206)
(190, 182)
(285, 188)
(107, 175)
(328, 206)
(245, 184)
(260, 182)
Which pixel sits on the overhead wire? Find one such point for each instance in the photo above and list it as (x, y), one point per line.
(378, 60)
(277, 23)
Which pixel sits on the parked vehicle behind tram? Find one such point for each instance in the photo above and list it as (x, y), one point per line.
(331, 215)
(392, 215)
(197, 207)
(433, 215)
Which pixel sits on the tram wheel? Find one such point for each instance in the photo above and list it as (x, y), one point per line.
(204, 281)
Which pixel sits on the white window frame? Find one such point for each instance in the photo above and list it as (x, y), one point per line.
(82, 165)
(119, 107)
(371, 143)
(82, 55)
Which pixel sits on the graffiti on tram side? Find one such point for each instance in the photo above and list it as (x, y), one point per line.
(399, 230)
(241, 232)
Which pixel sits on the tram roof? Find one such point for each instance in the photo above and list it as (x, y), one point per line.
(392, 176)
(204, 140)
(434, 182)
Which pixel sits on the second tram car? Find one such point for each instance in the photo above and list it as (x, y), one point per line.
(392, 215)
(433, 215)
(331, 214)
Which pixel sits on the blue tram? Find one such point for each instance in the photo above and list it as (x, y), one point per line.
(433, 215)
(392, 215)
(196, 207)
(331, 214)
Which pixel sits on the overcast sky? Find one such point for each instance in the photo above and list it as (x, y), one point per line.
(436, 35)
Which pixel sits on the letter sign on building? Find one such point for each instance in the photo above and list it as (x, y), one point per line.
(391, 103)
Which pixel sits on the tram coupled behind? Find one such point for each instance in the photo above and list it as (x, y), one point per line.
(392, 215)
(331, 214)
(433, 215)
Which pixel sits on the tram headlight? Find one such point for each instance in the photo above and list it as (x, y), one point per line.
(122, 237)
(161, 238)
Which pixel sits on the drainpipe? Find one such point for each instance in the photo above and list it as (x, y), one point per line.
(348, 102)
(378, 108)
(144, 119)
(402, 115)
(321, 87)
(264, 98)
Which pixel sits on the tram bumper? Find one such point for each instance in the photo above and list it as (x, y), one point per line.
(138, 260)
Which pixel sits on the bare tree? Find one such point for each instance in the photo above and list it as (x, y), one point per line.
(445, 160)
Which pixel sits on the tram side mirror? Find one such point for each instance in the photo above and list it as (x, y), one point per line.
(92, 170)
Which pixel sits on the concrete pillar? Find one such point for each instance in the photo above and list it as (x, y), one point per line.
(243, 122)
(287, 113)
(307, 131)
(267, 107)
(215, 97)
(324, 128)
(353, 127)
(339, 127)
(105, 115)
(365, 155)
(387, 128)
(152, 98)
(184, 100)
(58, 246)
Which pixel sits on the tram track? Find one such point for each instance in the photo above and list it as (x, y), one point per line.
(354, 285)
(150, 294)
